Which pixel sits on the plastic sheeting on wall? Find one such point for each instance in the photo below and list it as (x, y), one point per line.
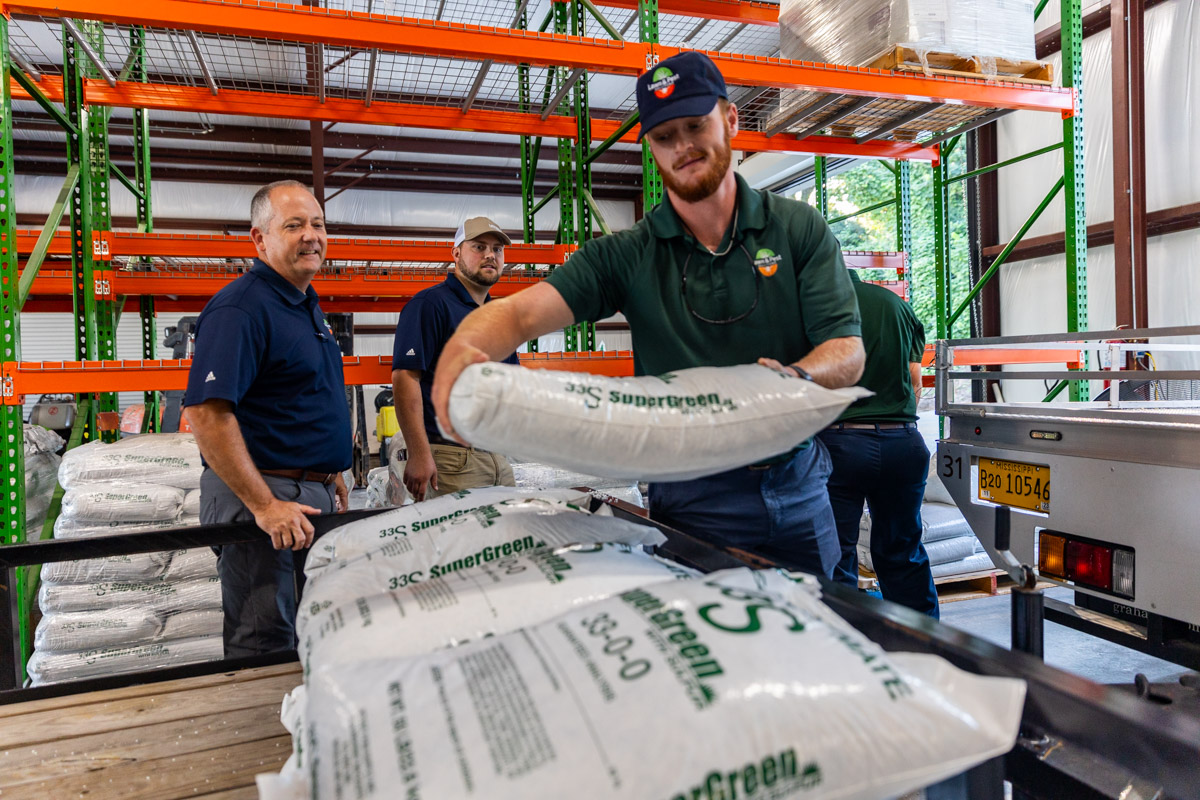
(1172, 138)
(1033, 297)
(1033, 293)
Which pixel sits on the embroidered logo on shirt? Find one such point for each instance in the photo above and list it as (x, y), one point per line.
(767, 262)
(210, 377)
(411, 352)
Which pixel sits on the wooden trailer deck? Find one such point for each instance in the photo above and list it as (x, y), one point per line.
(204, 737)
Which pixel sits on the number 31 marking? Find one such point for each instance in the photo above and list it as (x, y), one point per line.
(948, 466)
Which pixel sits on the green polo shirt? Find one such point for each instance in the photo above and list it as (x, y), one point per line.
(893, 338)
(783, 257)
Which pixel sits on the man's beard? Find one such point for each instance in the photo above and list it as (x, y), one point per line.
(718, 165)
(479, 279)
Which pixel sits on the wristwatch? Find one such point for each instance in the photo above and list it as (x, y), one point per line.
(800, 372)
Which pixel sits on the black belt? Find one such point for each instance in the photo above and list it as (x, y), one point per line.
(324, 478)
(871, 426)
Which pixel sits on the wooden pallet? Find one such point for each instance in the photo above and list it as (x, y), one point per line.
(204, 737)
(904, 59)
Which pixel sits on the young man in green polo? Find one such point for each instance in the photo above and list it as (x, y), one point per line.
(717, 275)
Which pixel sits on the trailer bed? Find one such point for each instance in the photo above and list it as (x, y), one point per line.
(202, 737)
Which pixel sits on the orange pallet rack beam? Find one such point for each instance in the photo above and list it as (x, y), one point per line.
(340, 248)
(241, 102)
(997, 356)
(20, 378)
(509, 45)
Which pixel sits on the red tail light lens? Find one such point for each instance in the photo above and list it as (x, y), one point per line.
(1089, 564)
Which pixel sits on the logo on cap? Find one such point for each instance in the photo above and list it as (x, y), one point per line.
(767, 262)
(662, 82)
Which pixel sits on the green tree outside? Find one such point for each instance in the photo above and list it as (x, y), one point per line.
(871, 182)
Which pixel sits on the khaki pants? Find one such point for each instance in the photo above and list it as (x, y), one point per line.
(467, 468)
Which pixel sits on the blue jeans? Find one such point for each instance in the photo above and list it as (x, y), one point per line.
(886, 468)
(781, 513)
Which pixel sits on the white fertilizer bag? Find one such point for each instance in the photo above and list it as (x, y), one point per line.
(694, 688)
(673, 427)
(484, 536)
(188, 624)
(55, 667)
(160, 596)
(191, 503)
(170, 459)
(68, 631)
(478, 602)
(67, 528)
(199, 562)
(122, 502)
(141, 567)
(355, 538)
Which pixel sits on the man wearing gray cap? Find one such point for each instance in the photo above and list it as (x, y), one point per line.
(437, 465)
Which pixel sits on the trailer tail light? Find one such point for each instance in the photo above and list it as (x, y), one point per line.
(1086, 562)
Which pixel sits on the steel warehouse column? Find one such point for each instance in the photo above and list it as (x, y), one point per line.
(1076, 219)
(904, 218)
(83, 286)
(145, 219)
(586, 333)
(1129, 161)
(12, 510)
(941, 243)
(101, 220)
(821, 185)
(652, 188)
(14, 646)
(563, 20)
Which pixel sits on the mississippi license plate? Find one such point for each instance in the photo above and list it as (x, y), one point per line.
(1013, 483)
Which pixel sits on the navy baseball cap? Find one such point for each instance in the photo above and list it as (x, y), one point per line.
(684, 85)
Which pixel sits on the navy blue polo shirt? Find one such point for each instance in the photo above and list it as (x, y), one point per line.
(264, 346)
(426, 324)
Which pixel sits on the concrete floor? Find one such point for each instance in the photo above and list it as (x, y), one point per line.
(1066, 649)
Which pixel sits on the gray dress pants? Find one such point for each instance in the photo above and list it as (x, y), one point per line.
(260, 586)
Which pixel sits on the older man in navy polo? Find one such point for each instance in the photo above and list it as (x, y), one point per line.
(267, 403)
(438, 465)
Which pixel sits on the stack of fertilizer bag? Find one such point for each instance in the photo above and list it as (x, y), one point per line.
(858, 32)
(41, 473)
(951, 544)
(504, 643)
(128, 613)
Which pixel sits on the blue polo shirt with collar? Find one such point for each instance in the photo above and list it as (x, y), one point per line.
(263, 345)
(425, 325)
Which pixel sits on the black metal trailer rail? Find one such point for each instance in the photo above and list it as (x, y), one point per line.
(1079, 739)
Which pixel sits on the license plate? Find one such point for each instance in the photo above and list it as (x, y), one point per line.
(1013, 483)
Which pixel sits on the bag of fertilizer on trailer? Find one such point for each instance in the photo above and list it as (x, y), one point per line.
(189, 624)
(672, 427)
(122, 502)
(483, 536)
(734, 685)
(157, 595)
(48, 667)
(355, 538)
(479, 602)
(169, 459)
(69, 631)
(199, 562)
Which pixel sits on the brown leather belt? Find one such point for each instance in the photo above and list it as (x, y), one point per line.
(325, 478)
(871, 426)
